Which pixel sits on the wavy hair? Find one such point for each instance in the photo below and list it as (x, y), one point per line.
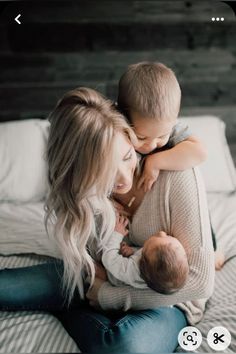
(82, 167)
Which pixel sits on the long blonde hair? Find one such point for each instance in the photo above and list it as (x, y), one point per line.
(82, 167)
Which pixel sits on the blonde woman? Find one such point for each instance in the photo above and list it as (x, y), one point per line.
(92, 160)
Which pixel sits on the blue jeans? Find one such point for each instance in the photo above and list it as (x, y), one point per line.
(39, 288)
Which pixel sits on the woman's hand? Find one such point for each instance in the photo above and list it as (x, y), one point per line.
(100, 271)
(92, 293)
(120, 208)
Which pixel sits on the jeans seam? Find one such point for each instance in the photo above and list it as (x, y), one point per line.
(98, 323)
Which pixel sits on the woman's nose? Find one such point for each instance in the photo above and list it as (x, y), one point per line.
(124, 176)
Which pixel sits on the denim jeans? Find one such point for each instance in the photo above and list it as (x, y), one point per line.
(39, 288)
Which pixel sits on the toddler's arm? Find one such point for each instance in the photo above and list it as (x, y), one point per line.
(186, 154)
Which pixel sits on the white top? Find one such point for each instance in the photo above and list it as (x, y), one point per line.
(122, 270)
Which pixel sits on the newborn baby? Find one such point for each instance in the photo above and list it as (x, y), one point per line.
(161, 264)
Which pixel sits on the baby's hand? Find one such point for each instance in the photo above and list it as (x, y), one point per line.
(149, 175)
(126, 250)
(121, 224)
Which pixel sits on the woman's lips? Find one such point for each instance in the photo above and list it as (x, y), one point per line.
(121, 186)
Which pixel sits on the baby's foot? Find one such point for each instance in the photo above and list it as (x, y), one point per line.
(219, 260)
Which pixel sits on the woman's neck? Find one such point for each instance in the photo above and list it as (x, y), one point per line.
(131, 200)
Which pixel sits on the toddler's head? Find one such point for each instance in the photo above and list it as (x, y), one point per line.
(164, 264)
(149, 96)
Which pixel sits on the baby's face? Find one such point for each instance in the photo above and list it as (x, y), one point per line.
(161, 238)
(151, 133)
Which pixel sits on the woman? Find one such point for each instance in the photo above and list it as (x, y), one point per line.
(91, 159)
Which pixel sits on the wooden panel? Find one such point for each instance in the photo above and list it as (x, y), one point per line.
(41, 38)
(213, 64)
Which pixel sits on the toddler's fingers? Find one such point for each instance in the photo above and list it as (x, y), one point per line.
(140, 182)
(149, 185)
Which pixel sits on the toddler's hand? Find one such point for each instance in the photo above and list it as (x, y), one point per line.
(126, 250)
(121, 224)
(149, 175)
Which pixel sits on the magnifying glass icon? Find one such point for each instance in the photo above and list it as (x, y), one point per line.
(190, 338)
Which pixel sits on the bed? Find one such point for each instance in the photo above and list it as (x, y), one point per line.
(23, 240)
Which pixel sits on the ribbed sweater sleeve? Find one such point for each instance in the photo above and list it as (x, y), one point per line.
(182, 212)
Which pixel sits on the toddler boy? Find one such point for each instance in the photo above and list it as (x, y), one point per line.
(149, 96)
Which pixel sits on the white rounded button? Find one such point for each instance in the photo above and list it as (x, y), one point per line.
(219, 338)
(190, 338)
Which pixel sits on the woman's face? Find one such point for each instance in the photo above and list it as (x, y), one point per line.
(127, 161)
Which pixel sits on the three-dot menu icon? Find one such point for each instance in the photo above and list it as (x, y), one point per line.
(217, 19)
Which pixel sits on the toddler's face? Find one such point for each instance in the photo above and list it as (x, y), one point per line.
(151, 133)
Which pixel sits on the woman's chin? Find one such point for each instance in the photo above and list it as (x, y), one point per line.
(122, 189)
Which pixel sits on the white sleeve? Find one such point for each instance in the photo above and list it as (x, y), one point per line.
(124, 269)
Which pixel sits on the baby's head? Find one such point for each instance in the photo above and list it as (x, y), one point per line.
(149, 96)
(164, 263)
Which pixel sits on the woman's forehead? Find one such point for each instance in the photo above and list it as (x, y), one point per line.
(123, 144)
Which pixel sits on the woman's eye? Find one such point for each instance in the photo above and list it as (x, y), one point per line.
(142, 139)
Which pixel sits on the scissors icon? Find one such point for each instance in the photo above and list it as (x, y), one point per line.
(218, 338)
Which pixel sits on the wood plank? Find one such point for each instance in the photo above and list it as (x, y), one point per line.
(107, 65)
(40, 38)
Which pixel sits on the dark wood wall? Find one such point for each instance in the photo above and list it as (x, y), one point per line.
(62, 45)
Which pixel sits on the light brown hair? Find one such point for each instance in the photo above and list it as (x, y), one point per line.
(82, 163)
(150, 89)
(166, 271)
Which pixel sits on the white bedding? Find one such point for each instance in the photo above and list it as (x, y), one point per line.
(22, 230)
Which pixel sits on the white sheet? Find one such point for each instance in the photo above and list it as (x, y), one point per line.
(223, 216)
(22, 230)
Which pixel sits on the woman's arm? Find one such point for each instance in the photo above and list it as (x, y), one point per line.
(189, 222)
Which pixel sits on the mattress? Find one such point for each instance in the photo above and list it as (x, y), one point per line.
(24, 242)
(22, 231)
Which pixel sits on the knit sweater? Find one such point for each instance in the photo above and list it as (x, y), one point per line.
(177, 205)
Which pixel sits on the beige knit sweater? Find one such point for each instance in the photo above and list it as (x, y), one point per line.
(176, 204)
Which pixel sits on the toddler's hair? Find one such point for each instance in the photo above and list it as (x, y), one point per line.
(166, 271)
(150, 89)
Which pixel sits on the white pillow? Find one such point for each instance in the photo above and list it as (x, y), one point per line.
(23, 169)
(218, 170)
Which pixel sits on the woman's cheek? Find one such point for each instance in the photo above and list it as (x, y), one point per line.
(134, 161)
